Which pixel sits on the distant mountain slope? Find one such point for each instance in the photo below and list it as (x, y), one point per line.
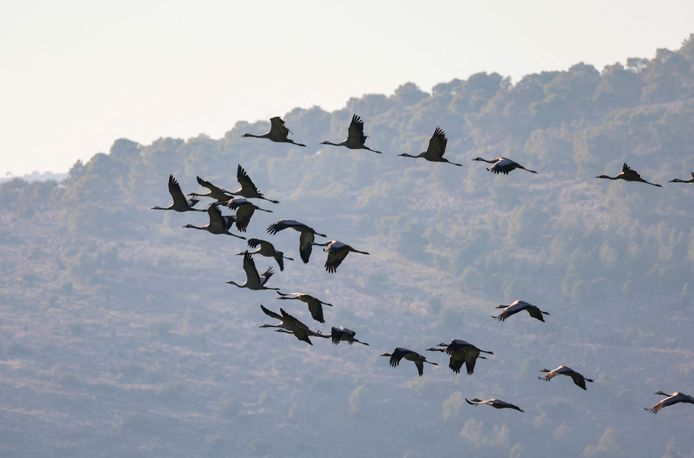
(118, 331)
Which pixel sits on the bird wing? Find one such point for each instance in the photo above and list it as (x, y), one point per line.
(215, 215)
(535, 312)
(210, 186)
(628, 171)
(420, 367)
(316, 309)
(455, 362)
(503, 165)
(335, 257)
(269, 272)
(578, 379)
(175, 191)
(470, 360)
(270, 313)
(252, 276)
(335, 335)
(247, 186)
(253, 243)
(295, 321)
(243, 216)
(437, 144)
(306, 240)
(277, 128)
(397, 355)
(355, 132)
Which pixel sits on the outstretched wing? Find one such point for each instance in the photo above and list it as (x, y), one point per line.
(355, 133)
(210, 186)
(253, 243)
(437, 144)
(245, 181)
(277, 128)
(175, 191)
(270, 313)
(216, 218)
(252, 276)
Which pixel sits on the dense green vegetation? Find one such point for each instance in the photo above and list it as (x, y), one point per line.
(89, 271)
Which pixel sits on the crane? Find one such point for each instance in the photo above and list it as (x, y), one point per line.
(628, 174)
(344, 335)
(671, 399)
(248, 189)
(355, 136)
(267, 249)
(290, 325)
(219, 224)
(503, 165)
(306, 235)
(215, 192)
(315, 305)
(278, 132)
(253, 280)
(496, 403)
(400, 353)
(518, 306)
(337, 252)
(244, 211)
(578, 379)
(436, 149)
(461, 352)
(180, 203)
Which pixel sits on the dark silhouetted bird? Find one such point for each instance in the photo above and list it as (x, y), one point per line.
(578, 379)
(253, 280)
(518, 306)
(306, 236)
(337, 252)
(628, 174)
(219, 224)
(344, 335)
(400, 353)
(496, 403)
(460, 353)
(355, 136)
(315, 306)
(677, 180)
(278, 132)
(244, 211)
(671, 399)
(503, 165)
(291, 325)
(436, 149)
(248, 188)
(180, 203)
(215, 192)
(267, 249)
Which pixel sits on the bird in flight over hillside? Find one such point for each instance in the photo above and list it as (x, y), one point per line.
(180, 203)
(253, 280)
(337, 252)
(278, 132)
(671, 399)
(503, 165)
(355, 136)
(400, 353)
(496, 403)
(436, 149)
(306, 238)
(578, 379)
(518, 306)
(460, 353)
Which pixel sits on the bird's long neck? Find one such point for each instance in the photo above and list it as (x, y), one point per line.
(335, 144)
(410, 155)
(360, 252)
(608, 177)
(231, 282)
(190, 226)
(436, 349)
(194, 194)
(257, 136)
(161, 208)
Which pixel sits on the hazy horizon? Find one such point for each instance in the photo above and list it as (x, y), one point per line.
(78, 76)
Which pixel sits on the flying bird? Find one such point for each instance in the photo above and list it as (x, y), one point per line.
(677, 180)
(253, 280)
(306, 236)
(180, 203)
(278, 132)
(337, 252)
(267, 249)
(436, 149)
(244, 211)
(628, 174)
(496, 403)
(248, 189)
(215, 192)
(460, 353)
(671, 399)
(518, 306)
(344, 335)
(315, 306)
(355, 136)
(400, 353)
(290, 325)
(578, 379)
(219, 224)
(503, 165)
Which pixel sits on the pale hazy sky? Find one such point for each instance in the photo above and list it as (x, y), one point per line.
(75, 75)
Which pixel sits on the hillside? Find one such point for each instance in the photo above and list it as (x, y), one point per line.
(118, 333)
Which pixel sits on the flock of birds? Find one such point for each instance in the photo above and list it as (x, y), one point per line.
(459, 352)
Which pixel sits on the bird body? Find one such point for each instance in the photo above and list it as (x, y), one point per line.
(628, 174)
(677, 180)
(267, 249)
(278, 132)
(306, 236)
(461, 352)
(518, 306)
(400, 353)
(578, 378)
(344, 335)
(315, 305)
(355, 136)
(244, 211)
(671, 399)
(337, 252)
(496, 403)
(436, 149)
(503, 165)
(290, 325)
(219, 224)
(180, 203)
(253, 280)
